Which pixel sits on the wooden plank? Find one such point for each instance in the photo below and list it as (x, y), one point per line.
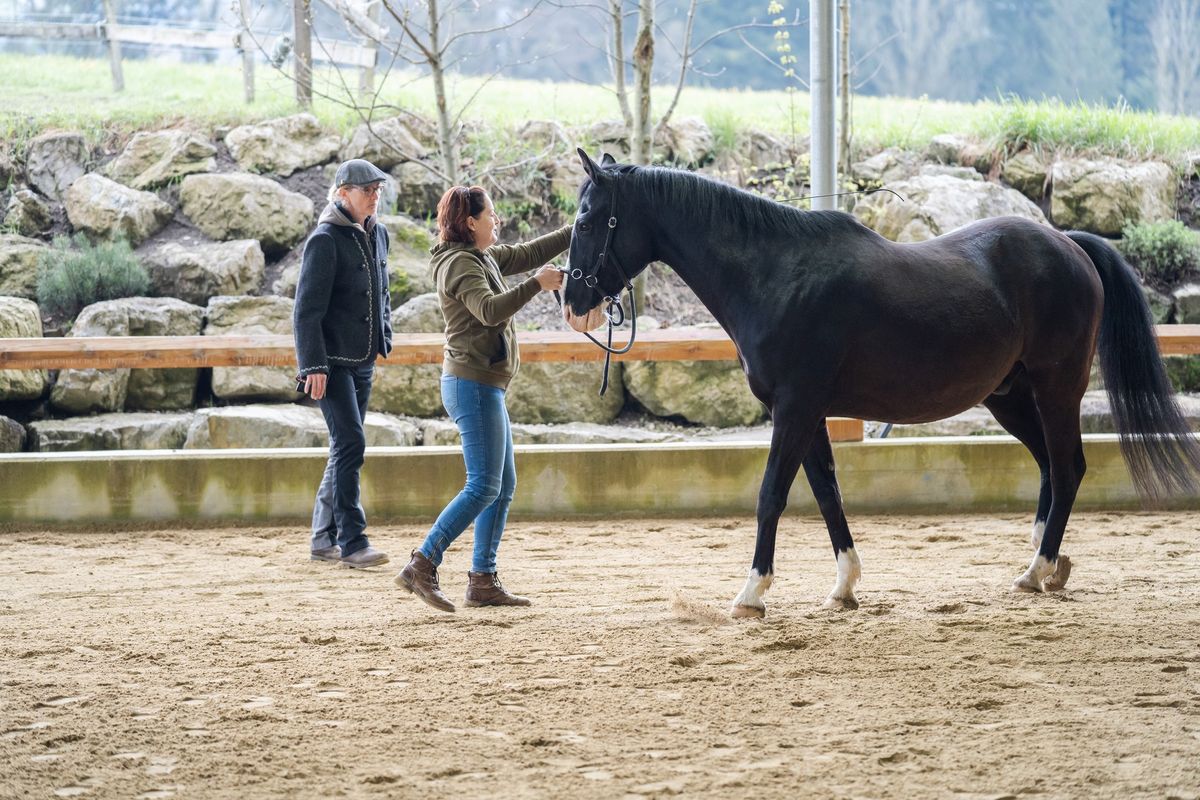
(137, 352)
(844, 429)
(173, 37)
(671, 344)
(48, 30)
(1178, 340)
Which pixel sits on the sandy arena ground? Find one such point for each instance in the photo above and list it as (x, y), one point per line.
(222, 663)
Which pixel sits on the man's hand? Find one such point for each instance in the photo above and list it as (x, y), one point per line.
(549, 278)
(314, 385)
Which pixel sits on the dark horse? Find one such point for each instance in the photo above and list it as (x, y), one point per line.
(829, 318)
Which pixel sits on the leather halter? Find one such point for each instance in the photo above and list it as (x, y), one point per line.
(615, 311)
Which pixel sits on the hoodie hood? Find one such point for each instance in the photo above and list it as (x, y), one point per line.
(335, 214)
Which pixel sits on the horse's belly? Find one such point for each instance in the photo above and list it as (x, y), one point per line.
(918, 398)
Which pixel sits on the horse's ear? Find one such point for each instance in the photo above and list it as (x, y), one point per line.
(606, 160)
(590, 167)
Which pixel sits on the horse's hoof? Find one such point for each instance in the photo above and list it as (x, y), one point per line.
(847, 603)
(748, 612)
(1062, 571)
(1029, 584)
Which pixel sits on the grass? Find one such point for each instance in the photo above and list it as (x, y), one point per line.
(43, 92)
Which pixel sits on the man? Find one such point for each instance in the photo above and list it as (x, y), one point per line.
(342, 321)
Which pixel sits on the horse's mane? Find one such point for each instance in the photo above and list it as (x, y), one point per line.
(718, 204)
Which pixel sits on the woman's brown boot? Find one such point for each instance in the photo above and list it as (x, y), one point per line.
(484, 589)
(420, 577)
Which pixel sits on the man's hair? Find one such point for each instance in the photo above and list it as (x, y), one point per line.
(335, 192)
(458, 203)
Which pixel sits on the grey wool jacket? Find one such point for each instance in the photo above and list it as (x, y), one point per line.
(343, 313)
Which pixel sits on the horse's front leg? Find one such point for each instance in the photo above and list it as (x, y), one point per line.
(818, 466)
(790, 441)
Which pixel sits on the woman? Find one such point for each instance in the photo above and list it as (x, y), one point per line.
(342, 322)
(480, 360)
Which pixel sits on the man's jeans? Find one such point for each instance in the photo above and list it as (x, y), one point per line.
(338, 516)
(482, 419)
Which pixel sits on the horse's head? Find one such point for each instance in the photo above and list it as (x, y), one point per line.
(609, 245)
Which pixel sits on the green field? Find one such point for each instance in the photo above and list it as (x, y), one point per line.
(42, 92)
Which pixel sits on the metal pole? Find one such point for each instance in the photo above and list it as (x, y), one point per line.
(845, 90)
(302, 55)
(244, 40)
(114, 47)
(822, 67)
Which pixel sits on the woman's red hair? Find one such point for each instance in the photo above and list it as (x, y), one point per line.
(458, 203)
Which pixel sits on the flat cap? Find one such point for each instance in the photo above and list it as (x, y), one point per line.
(358, 172)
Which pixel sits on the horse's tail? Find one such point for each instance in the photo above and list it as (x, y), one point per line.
(1156, 440)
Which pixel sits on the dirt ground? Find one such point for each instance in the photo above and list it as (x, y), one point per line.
(223, 663)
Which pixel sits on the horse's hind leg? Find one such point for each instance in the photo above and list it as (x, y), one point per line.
(790, 441)
(818, 466)
(1018, 413)
(1059, 412)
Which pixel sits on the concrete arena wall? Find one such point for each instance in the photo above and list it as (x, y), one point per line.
(945, 474)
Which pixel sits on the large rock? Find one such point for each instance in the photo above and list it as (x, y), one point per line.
(1028, 173)
(408, 257)
(713, 393)
(154, 158)
(417, 190)
(760, 150)
(251, 316)
(1187, 304)
(282, 146)
(243, 206)
(555, 392)
(955, 150)
(689, 141)
(886, 167)
(412, 389)
(27, 213)
(286, 426)
(12, 436)
(385, 144)
(588, 433)
(83, 391)
(198, 272)
(935, 204)
(106, 209)
(1103, 196)
(19, 319)
(53, 161)
(19, 261)
(543, 133)
(110, 432)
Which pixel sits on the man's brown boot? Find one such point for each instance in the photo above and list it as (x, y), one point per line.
(420, 578)
(484, 589)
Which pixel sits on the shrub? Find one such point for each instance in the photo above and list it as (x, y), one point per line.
(1163, 252)
(75, 273)
(724, 124)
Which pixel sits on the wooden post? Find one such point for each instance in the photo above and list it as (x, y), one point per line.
(302, 55)
(244, 40)
(366, 77)
(114, 48)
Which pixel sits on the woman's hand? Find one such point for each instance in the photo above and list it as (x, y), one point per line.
(549, 278)
(314, 385)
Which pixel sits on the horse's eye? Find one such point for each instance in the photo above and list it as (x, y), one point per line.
(585, 226)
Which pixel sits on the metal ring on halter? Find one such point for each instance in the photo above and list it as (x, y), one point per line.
(615, 313)
(590, 281)
(612, 222)
(576, 274)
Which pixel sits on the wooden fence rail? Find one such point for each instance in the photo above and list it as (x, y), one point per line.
(157, 352)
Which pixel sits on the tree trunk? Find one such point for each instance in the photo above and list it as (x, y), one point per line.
(641, 144)
(438, 73)
(302, 55)
(844, 89)
(617, 58)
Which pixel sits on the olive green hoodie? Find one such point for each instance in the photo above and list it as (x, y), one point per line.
(481, 342)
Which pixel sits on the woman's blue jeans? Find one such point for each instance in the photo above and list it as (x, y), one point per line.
(338, 516)
(482, 419)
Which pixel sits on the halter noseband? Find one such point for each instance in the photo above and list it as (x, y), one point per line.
(615, 311)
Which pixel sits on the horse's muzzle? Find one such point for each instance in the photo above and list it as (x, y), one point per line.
(585, 322)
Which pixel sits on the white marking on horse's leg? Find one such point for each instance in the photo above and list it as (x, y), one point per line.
(749, 603)
(1035, 539)
(1062, 571)
(1038, 571)
(849, 570)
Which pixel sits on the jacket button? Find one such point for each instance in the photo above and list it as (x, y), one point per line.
(367, 318)
(366, 292)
